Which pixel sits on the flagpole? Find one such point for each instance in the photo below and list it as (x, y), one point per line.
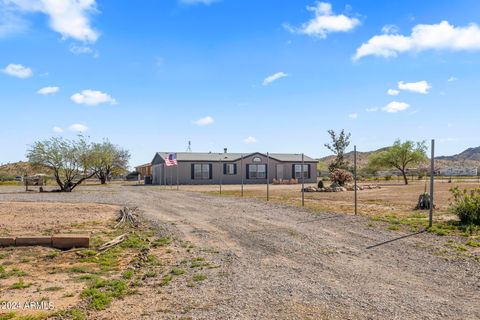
(176, 158)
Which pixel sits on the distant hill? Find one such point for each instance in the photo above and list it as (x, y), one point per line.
(362, 158)
(20, 168)
(467, 158)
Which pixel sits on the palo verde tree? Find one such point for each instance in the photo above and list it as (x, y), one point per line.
(70, 160)
(338, 146)
(400, 156)
(109, 159)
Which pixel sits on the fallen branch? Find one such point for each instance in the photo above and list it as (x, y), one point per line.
(113, 242)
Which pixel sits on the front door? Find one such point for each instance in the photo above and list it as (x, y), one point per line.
(280, 171)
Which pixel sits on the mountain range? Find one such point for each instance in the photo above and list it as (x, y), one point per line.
(467, 158)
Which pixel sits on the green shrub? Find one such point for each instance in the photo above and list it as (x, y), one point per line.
(466, 205)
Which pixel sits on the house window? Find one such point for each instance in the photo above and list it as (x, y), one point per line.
(257, 171)
(257, 159)
(229, 168)
(201, 172)
(298, 171)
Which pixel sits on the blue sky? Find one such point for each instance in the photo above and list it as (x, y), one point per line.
(270, 75)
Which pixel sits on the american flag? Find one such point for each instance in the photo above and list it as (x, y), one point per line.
(171, 160)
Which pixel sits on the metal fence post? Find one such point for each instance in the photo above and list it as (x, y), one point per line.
(303, 181)
(432, 181)
(221, 175)
(241, 172)
(355, 176)
(267, 174)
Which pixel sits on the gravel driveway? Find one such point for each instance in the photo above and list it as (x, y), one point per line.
(280, 262)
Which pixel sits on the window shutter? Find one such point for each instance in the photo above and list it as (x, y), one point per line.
(308, 166)
(234, 168)
(193, 171)
(224, 168)
(210, 171)
(293, 171)
(248, 171)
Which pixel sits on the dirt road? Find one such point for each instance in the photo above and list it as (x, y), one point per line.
(279, 262)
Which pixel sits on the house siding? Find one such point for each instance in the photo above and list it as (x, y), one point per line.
(184, 168)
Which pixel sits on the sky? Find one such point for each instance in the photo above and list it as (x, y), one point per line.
(248, 75)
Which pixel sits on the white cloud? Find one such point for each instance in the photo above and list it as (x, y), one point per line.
(374, 109)
(396, 106)
(92, 97)
(393, 92)
(82, 49)
(48, 90)
(205, 121)
(452, 78)
(77, 127)
(353, 115)
(18, 70)
(193, 2)
(70, 18)
(441, 36)
(250, 140)
(324, 22)
(57, 129)
(10, 23)
(419, 87)
(274, 77)
(390, 29)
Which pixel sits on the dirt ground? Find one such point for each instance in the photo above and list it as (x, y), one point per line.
(393, 197)
(23, 218)
(274, 261)
(37, 274)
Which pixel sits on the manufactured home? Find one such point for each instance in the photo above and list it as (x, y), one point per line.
(232, 168)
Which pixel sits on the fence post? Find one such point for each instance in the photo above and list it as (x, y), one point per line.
(221, 174)
(241, 172)
(267, 174)
(303, 181)
(355, 176)
(432, 181)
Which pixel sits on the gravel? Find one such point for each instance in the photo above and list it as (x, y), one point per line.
(281, 262)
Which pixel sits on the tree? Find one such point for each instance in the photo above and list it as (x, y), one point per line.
(338, 146)
(109, 160)
(400, 156)
(70, 160)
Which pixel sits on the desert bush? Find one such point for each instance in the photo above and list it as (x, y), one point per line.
(466, 205)
(341, 176)
(388, 178)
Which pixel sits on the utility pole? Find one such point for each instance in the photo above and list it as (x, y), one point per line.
(432, 181)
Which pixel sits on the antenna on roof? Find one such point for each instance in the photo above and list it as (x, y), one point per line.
(189, 148)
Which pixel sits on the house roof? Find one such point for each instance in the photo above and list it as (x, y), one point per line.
(214, 157)
(144, 165)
